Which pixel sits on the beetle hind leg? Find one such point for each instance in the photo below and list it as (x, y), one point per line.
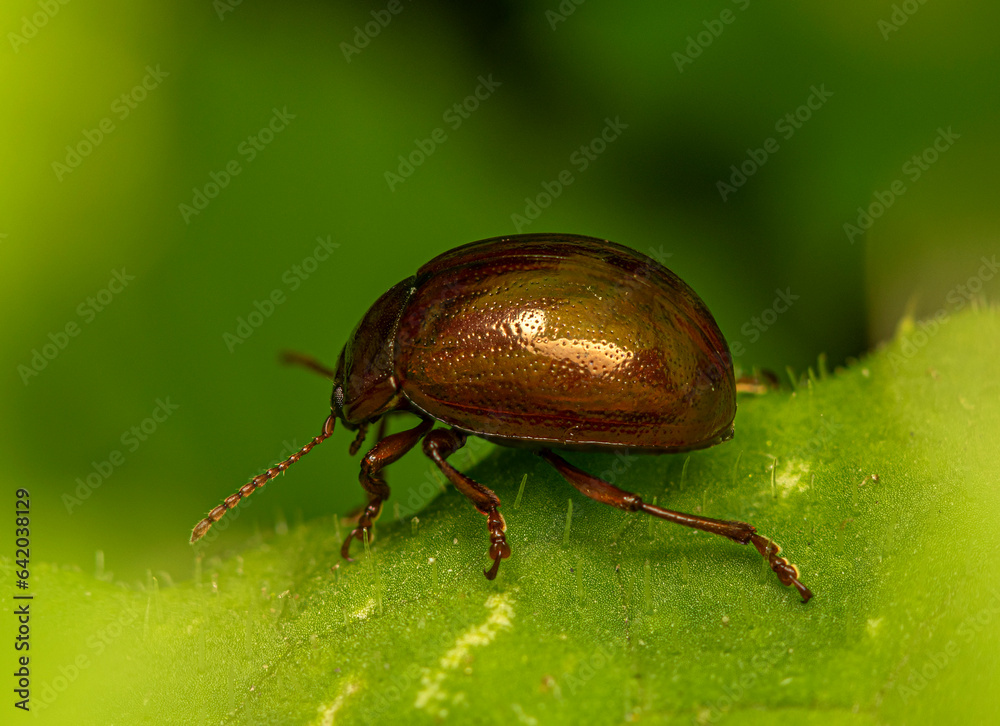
(383, 453)
(741, 532)
(438, 446)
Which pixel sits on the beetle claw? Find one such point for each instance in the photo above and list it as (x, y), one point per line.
(499, 550)
(345, 549)
(492, 572)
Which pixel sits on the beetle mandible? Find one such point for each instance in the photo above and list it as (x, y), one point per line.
(544, 341)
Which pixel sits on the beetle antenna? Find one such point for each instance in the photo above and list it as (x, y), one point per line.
(258, 481)
(290, 357)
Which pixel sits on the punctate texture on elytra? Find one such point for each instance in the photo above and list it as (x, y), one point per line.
(564, 341)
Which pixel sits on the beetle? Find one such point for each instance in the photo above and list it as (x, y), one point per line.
(543, 341)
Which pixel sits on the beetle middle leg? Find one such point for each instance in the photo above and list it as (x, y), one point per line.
(438, 446)
(383, 453)
(599, 490)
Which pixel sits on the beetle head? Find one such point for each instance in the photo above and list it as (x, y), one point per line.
(337, 397)
(365, 385)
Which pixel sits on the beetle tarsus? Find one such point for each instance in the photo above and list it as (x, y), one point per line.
(384, 452)
(785, 570)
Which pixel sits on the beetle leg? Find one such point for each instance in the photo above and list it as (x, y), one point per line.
(758, 384)
(289, 357)
(383, 453)
(382, 425)
(438, 446)
(599, 490)
(359, 439)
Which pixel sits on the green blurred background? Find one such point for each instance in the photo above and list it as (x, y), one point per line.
(556, 72)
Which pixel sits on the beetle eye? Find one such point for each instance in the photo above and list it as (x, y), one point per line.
(338, 398)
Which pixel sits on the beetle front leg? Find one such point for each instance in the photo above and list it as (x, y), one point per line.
(599, 490)
(383, 453)
(439, 445)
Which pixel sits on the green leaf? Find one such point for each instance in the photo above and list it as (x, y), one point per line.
(879, 481)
